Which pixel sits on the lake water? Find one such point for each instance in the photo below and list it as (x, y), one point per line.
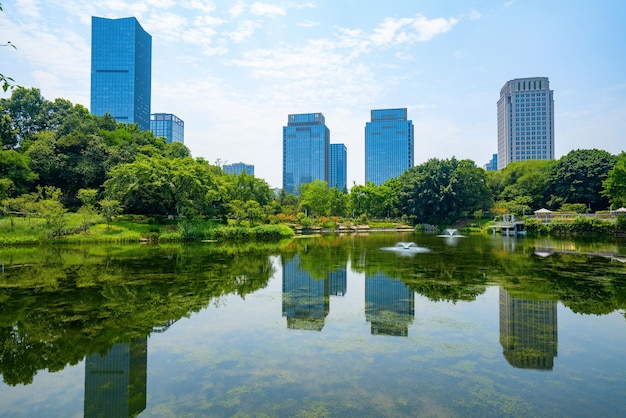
(328, 326)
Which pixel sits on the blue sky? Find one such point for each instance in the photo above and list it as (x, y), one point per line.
(234, 70)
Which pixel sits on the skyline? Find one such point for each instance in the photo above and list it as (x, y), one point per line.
(233, 71)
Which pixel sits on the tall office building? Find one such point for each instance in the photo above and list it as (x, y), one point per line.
(525, 121)
(168, 126)
(306, 150)
(338, 167)
(237, 168)
(121, 70)
(389, 145)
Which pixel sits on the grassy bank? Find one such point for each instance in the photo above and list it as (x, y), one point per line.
(130, 229)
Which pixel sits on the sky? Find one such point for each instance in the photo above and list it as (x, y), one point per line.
(235, 70)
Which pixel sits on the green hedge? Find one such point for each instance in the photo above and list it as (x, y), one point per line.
(582, 225)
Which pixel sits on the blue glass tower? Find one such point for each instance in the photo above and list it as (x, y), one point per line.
(492, 165)
(167, 126)
(121, 70)
(338, 167)
(237, 168)
(306, 150)
(389, 145)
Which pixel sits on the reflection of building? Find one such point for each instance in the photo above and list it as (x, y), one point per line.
(338, 282)
(115, 384)
(121, 70)
(389, 305)
(306, 151)
(389, 145)
(305, 299)
(528, 332)
(167, 126)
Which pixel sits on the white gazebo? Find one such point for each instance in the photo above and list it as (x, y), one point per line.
(543, 211)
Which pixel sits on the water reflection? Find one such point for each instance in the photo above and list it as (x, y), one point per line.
(305, 299)
(389, 305)
(115, 383)
(70, 306)
(528, 332)
(339, 282)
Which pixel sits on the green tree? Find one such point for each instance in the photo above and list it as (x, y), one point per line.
(109, 208)
(578, 176)
(441, 191)
(50, 208)
(525, 182)
(87, 211)
(16, 168)
(614, 187)
(315, 197)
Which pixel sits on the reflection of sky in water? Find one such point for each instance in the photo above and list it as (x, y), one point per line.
(240, 357)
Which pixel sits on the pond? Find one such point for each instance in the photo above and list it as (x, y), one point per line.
(332, 326)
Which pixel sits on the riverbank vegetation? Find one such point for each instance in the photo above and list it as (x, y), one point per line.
(68, 175)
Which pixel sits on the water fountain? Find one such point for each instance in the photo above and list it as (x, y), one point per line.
(406, 248)
(451, 233)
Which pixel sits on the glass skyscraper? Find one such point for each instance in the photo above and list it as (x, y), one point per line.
(492, 165)
(121, 70)
(167, 126)
(338, 167)
(237, 168)
(306, 151)
(389, 145)
(525, 121)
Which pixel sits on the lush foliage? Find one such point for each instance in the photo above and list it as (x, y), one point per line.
(55, 145)
(441, 191)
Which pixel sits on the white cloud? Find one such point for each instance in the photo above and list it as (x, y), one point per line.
(410, 30)
(266, 9)
(28, 8)
(237, 9)
(244, 31)
(308, 24)
(206, 6)
(429, 28)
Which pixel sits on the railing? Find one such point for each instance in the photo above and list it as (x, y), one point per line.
(549, 217)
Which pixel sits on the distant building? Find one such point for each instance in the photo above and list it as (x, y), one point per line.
(121, 70)
(389, 145)
(306, 151)
(237, 168)
(492, 165)
(168, 126)
(525, 121)
(338, 167)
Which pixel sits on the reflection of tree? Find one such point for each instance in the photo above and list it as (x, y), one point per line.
(438, 275)
(305, 299)
(58, 308)
(528, 332)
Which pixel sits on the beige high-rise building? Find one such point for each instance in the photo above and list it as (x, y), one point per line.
(525, 121)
